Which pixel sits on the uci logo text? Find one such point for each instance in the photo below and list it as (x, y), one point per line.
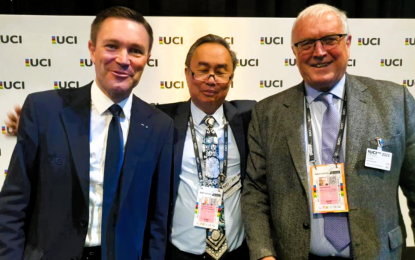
(153, 63)
(171, 84)
(16, 39)
(368, 41)
(247, 62)
(351, 63)
(229, 39)
(271, 83)
(12, 85)
(170, 40)
(38, 62)
(85, 62)
(408, 82)
(64, 39)
(272, 40)
(409, 41)
(290, 62)
(65, 84)
(391, 62)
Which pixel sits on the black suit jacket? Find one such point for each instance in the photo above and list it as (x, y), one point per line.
(238, 114)
(45, 198)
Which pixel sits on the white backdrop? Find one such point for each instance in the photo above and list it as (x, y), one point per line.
(46, 52)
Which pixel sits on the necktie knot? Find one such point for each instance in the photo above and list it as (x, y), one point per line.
(209, 121)
(115, 110)
(327, 99)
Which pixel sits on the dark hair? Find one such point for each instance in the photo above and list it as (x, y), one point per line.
(210, 38)
(120, 12)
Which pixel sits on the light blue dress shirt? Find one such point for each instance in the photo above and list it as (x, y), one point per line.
(184, 235)
(319, 244)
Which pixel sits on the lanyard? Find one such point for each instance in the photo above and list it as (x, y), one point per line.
(339, 141)
(222, 175)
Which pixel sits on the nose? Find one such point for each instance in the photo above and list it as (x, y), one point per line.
(319, 50)
(211, 80)
(123, 57)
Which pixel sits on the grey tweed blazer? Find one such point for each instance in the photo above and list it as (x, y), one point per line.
(274, 201)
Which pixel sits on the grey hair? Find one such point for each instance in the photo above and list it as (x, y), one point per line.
(319, 10)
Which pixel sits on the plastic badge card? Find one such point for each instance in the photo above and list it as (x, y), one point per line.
(329, 188)
(208, 207)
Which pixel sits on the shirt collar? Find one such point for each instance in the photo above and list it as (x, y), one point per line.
(337, 90)
(199, 115)
(102, 102)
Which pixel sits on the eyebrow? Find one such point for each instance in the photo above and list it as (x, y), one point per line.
(202, 63)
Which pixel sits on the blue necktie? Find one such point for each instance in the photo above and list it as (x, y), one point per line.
(336, 227)
(113, 163)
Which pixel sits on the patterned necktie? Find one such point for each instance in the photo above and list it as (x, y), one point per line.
(336, 227)
(216, 245)
(113, 163)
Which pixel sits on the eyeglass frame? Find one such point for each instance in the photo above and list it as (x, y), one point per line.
(209, 75)
(341, 35)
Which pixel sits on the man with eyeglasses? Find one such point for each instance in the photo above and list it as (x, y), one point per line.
(210, 153)
(327, 156)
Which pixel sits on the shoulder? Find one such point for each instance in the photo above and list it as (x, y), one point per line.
(242, 105)
(170, 108)
(378, 88)
(278, 100)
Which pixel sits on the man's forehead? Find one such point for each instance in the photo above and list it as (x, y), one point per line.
(211, 54)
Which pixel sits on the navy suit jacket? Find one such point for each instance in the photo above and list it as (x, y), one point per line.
(238, 114)
(45, 198)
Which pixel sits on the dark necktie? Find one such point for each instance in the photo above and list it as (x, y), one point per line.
(336, 227)
(216, 245)
(113, 163)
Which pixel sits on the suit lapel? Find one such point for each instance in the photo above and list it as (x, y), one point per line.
(138, 135)
(357, 121)
(293, 121)
(181, 119)
(236, 125)
(76, 121)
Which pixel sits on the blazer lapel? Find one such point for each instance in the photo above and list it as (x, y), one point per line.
(180, 124)
(236, 125)
(76, 121)
(138, 136)
(293, 121)
(357, 121)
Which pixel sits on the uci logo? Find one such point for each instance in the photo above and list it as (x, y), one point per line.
(153, 63)
(16, 39)
(351, 63)
(85, 62)
(246, 62)
(170, 40)
(38, 62)
(12, 85)
(65, 84)
(171, 84)
(64, 39)
(272, 40)
(408, 82)
(368, 41)
(409, 41)
(290, 62)
(391, 62)
(271, 83)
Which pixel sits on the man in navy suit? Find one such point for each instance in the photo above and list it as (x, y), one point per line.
(53, 201)
(210, 66)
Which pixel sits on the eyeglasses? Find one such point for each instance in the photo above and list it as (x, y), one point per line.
(328, 42)
(220, 78)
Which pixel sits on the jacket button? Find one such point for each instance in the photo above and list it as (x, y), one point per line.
(83, 222)
(306, 225)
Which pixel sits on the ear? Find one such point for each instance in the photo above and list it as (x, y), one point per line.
(148, 57)
(91, 49)
(348, 43)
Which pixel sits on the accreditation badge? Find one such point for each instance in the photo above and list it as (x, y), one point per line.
(208, 207)
(328, 188)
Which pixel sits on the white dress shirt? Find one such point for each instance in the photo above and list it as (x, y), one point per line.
(100, 120)
(184, 235)
(319, 244)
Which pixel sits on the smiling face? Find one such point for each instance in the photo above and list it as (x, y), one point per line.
(120, 55)
(321, 69)
(209, 58)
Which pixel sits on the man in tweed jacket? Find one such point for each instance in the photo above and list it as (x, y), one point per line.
(276, 202)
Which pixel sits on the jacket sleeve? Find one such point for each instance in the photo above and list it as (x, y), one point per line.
(15, 196)
(255, 199)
